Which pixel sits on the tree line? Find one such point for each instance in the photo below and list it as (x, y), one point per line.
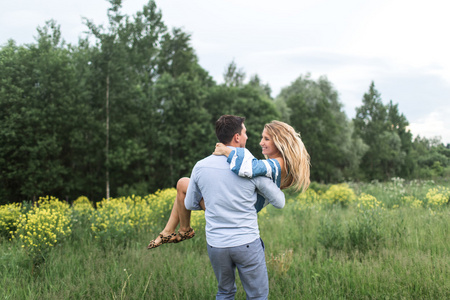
(129, 110)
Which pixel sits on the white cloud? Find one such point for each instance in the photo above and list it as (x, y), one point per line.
(409, 33)
(435, 124)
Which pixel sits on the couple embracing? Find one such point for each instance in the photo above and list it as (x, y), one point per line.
(232, 186)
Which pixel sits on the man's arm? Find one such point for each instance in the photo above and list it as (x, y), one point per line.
(193, 194)
(270, 191)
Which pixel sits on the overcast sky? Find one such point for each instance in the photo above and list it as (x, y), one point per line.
(401, 45)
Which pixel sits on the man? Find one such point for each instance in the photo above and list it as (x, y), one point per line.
(232, 232)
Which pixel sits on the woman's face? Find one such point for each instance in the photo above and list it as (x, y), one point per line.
(268, 146)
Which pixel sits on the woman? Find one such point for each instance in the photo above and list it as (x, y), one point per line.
(287, 164)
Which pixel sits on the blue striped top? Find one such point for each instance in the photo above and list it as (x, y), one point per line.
(243, 163)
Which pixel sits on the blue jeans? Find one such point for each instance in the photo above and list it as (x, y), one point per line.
(251, 264)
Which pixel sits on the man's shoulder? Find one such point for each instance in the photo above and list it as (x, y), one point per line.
(205, 160)
(210, 161)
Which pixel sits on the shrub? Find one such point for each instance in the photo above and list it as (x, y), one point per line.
(307, 200)
(339, 194)
(43, 226)
(438, 197)
(111, 222)
(53, 203)
(413, 202)
(319, 188)
(117, 219)
(9, 218)
(83, 206)
(82, 210)
(142, 214)
(368, 202)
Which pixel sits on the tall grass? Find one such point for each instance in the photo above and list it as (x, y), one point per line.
(314, 250)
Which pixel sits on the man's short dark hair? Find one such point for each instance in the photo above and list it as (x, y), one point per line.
(227, 126)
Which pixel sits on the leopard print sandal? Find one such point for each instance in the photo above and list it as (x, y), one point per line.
(164, 240)
(185, 236)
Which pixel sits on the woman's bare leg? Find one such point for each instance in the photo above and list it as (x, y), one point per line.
(179, 215)
(183, 214)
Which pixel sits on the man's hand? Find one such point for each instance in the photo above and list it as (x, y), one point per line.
(221, 149)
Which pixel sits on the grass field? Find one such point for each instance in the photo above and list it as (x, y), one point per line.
(352, 241)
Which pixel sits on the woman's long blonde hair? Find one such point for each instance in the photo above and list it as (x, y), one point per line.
(296, 158)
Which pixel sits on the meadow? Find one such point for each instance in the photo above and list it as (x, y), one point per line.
(347, 241)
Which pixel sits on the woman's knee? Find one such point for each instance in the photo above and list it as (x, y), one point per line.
(183, 184)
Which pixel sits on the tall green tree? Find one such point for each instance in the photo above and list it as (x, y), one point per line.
(233, 76)
(431, 158)
(40, 114)
(126, 68)
(154, 89)
(264, 88)
(177, 57)
(384, 129)
(399, 125)
(184, 129)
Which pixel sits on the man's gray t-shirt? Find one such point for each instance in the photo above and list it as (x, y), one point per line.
(231, 218)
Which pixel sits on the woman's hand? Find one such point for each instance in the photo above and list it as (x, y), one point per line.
(221, 149)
